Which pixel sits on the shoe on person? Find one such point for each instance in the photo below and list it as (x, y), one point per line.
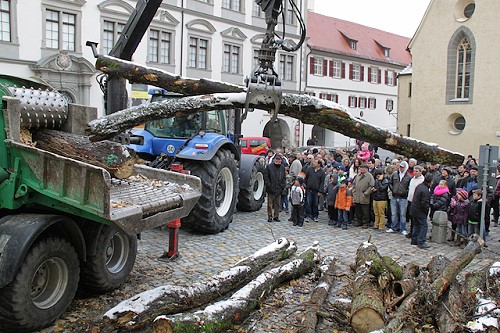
(276, 219)
(344, 226)
(316, 219)
(404, 233)
(307, 220)
(269, 220)
(389, 231)
(423, 246)
(413, 242)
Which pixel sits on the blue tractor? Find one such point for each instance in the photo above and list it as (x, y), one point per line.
(202, 145)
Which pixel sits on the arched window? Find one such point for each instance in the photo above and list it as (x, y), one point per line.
(461, 66)
(464, 59)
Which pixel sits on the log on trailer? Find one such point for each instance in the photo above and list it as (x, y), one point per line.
(307, 109)
(117, 159)
(138, 311)
(224, 314)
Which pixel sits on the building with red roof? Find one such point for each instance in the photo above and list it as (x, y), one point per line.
(356, 66)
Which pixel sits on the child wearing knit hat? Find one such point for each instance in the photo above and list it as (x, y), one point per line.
(459, 216)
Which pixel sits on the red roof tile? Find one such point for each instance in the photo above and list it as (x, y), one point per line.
(332, 35)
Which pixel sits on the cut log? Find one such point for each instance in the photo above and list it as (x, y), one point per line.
(308, 109)
(173, 83)
(117, 159)
(430, 294)
(224, 314)
(367, 311)
(319, 295)
(139, 310)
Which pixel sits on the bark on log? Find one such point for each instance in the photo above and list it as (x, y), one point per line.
(223, 315)
(173, 83)
(139, 310)
(308, 109)
(431, 293)
(117, 159)
(318, 296)
(367, 311)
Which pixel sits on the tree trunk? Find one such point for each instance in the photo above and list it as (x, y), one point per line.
(117, 159)
(318, 296)
(173, 83)
(430, 294)
(367, 311)
(309, 110)
(138, 311)
(224, 314)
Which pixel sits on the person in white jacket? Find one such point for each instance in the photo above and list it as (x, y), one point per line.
(417, 179)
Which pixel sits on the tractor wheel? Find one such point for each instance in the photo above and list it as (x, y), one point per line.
(252, 197)
(43, 287)
(219, 178)
(112, 263)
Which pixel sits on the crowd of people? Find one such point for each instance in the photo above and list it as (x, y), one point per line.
(399, 195)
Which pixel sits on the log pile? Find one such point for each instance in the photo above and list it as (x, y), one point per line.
(385, 297)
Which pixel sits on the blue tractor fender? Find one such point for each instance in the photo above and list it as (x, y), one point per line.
(148, 142)
(204, 148)
(246, 165)
(19, 232)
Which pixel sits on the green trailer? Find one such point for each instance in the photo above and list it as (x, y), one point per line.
(66, 224)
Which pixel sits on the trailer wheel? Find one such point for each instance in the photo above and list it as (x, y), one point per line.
(252, 197)
(112, 263)
(43, 287)
(215, 208)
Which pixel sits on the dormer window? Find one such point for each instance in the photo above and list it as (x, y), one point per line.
(353, 44)
(387, 52)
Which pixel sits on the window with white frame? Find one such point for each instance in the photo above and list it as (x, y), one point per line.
(389, 105)
(60, 30)
(231, 61)
(464, 58)
(286, 67)
(256, 61)
(390, 78)
(353, 101)
(373, 75)
(198, 53)
(372, 103)
(256, 11)
(387, 52)
(318, 66)
(362, 102)
(289, 12)
(356, 72)
(337, 69)
(232, 4)
(110, 33)
(159, 46)
(5, 20)
(353, 44)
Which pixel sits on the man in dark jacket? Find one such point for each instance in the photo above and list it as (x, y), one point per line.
(399, 183)
(419, 210)
(315, 180)
(275, 180)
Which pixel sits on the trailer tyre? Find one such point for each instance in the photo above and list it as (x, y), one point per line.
(252, 197)
(215, 208)
(43, 287)
(112, 263)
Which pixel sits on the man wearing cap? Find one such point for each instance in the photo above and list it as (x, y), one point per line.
(362, 189)
(295, 165)
(275, 181)
(472, 180)
(399, 183)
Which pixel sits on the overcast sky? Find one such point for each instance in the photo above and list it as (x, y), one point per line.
(400, 17)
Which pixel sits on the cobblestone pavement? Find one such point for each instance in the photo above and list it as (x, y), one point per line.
(205, 255)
